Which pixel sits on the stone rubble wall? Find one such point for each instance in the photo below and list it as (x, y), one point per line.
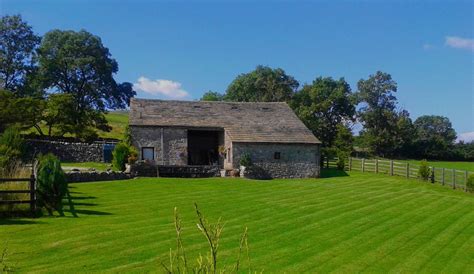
(86, 176)
(67, 151)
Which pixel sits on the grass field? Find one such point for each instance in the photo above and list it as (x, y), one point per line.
(86, 165)
(360, 223)
(446, 164)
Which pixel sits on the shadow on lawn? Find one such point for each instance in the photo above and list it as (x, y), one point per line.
(332, 172)
(17, 222)
(71, 203)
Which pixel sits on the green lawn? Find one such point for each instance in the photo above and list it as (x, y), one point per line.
(86, 165)
(446, 164)
(358, 223)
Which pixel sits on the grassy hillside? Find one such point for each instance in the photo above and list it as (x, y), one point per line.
(118, 120)
(357, 223)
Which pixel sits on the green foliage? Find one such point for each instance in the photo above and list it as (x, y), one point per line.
(344, 140)
(59, 113)
(18, 45)
(264, 84)
(435, 136)
(51, 183)
(245, 160)
(424, 171)
(24, 112)
(12, 148)
(323, 106)
(77, 63)
(212, 96)
(470, 183)
(386, 130)
(123, 154)
(341, 161)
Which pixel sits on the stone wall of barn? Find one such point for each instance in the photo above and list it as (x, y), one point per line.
(295, 160)
(170, 145)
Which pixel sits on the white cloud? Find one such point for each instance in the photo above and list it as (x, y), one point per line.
(466, 137)
(428, 46)
(159, 87)
(460, 43)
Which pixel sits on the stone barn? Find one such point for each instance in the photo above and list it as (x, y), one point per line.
(218, 134)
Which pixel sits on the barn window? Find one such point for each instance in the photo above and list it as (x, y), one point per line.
(276, 156)
(148, 153)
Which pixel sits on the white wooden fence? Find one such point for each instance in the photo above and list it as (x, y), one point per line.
(451, 177)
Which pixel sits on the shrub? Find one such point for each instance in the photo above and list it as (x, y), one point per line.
(470, 183)
(245, 160)
(341, 159)
(11, 148)
(133, 155)
(52, 185)
(123, 154)
(424, 171)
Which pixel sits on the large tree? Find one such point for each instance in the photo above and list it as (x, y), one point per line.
(77, 63)
(324, 106)
(378, 113)
(264, 84)
(435, 136)
(18, 44)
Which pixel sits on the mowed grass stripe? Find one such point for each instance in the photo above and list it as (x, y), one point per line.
(318, 225)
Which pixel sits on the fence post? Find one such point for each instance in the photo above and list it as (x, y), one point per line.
(376, 165)
(391, 167)
(408, 170)
(327, 162)
(465, 180)
(350, 163)
(32, 195)
(442, 176)
(454, 178)
(363, 164)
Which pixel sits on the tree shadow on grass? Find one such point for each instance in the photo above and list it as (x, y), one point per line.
(17, 222)
(332, 172)
(71, 203)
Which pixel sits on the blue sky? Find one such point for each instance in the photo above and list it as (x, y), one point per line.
(182, 49)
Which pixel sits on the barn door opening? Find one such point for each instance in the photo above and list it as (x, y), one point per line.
(203, 147)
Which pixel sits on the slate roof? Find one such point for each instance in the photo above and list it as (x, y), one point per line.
(273, 122)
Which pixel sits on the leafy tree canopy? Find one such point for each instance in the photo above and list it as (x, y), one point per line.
(18, 44)
(435, 136)
(264, 84)
(212, 96)
(77, 63)
(324, 105)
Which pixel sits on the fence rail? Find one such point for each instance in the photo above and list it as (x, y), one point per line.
(31, 190)
(454, 178)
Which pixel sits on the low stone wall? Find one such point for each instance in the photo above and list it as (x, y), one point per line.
(67, 151)
(143, 169)
(81, 177)
(264, 171)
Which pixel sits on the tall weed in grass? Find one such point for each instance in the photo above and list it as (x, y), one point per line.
(178, 261)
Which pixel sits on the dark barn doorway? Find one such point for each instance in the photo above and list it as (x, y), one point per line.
(203, 147)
